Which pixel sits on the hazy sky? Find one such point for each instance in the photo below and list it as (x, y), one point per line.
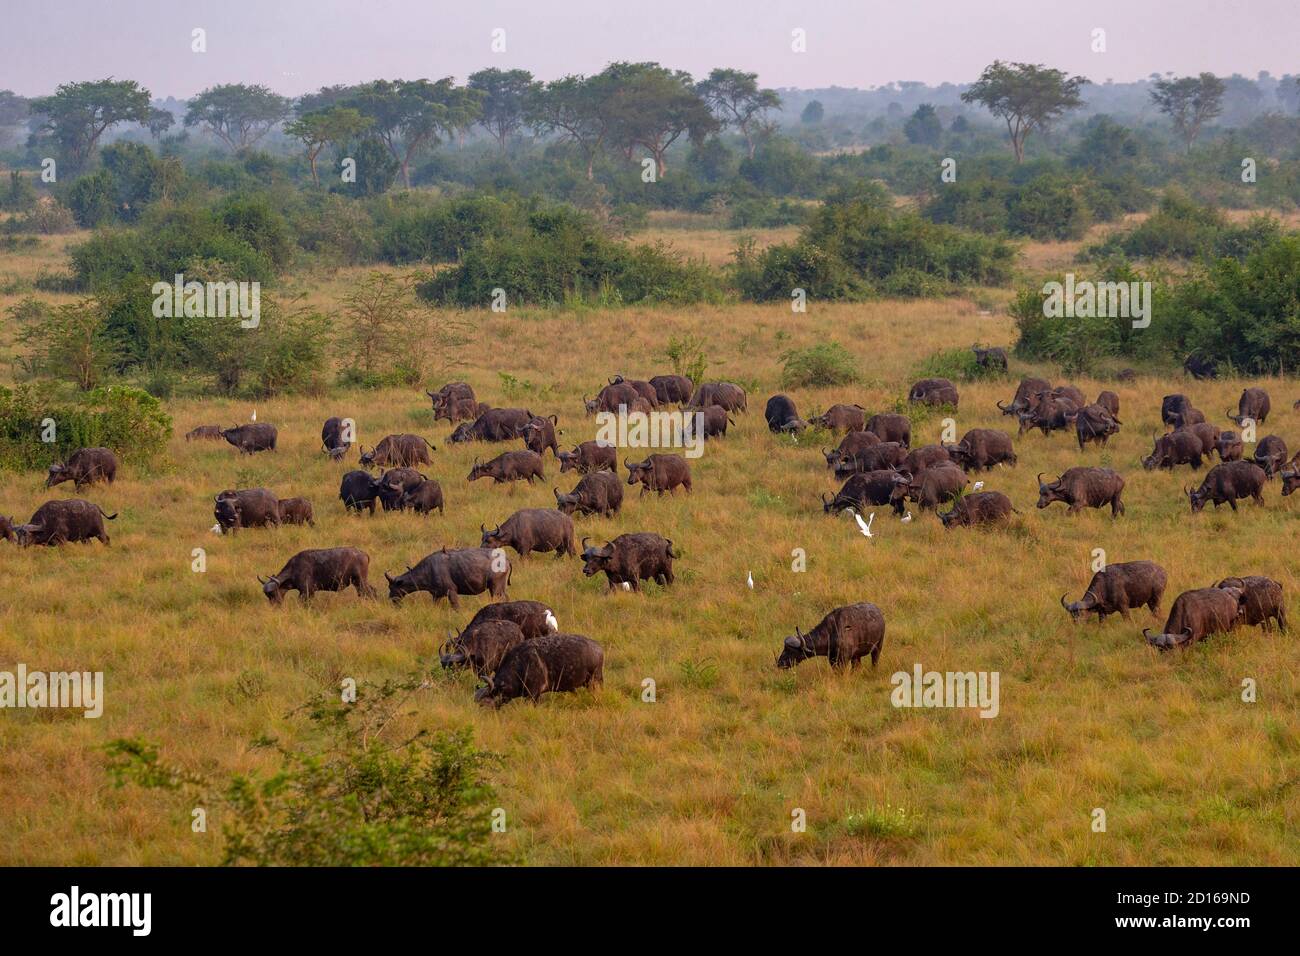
(295, 46)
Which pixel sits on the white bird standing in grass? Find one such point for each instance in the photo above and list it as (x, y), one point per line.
(978, 486)
(865, 525)
(749, 579)
(216, 528)
(254, 418)
(906, 518)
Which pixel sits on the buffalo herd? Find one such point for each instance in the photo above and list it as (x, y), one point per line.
(516, 648)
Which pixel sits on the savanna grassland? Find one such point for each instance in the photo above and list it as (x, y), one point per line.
(709, 773)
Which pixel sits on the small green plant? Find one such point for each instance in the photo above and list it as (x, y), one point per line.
(882, 822)
(687, 355)
(824, 364)
(702, 673)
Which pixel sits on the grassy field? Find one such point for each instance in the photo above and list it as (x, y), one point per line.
(710, 773)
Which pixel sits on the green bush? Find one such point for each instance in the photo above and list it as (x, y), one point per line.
(821, 365)
(956, 365)
(128, 420)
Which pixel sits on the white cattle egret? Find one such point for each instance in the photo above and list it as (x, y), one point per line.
(865, 525)
(749, 579)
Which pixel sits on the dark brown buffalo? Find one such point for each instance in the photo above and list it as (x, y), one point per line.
(1229, 482)
(891, 427)
(841, 418)
(1083, 488)
(728, 395)
(495, 424)
(845, 636)
(782, 416)
(333, 437)
(533, 617)
(296, 511)
(358, 490)
(862, 489)
(251, 438)
(849, 447)
(991, 358)
(204, 432)
(1118, 588)
(644, 389)
(1207, 434)
(85, 466)
(246, 508)
(394, 484)
(599, 492)
(926, 456)
(451, 390)
(1049, 413)
(1110, 402)
(982, 448)
(609, 398)
(1254, 405)
(404, 451)
(64, 521)
(979, 507)
(660, 473)
(455, 402)
(1094, 423)
(1179, 447)
(1261, 602)
(481, 647)
(453, 573)
(1071, 392)
(630, 559)
(320, 569)
(1024, 398)
(532, 529)
(885, 454)
(929, 489)
(1270, 454)
(1126, 375)
(555, 663)
(1195, 616)
(589, 456)
(1229, 446)
(539, 435)
(673, 389)
(424, 497)
(509, 466)
(716, 421)
(1199, 366)
(933, 391)
(1177, 411)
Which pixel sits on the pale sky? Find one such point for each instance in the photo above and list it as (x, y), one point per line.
(295, 46)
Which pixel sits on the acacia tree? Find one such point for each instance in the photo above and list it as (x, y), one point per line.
(580, 110)
(653, 107)
(505, 100)
(78, 114)
(736, 100)
(316, 130)
(238, 114)
(410, 116)
(1191, 102)
(1026, 96)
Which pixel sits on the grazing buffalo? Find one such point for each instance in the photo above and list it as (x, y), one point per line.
(609, 398)
(394, 484)
(845, 636)
(358, 490)
(251, 438)
(539, 435)
(979, 507)
(1177, 411)
(509, 466)
(532, 529)
(1070, 392)
(864, 488)
(1049, 413)
(1195, 616)
(630, 559)
(599, 492)
(453, 573)
(1261, 602)
(933, 391)
(715, 420)
(64, 521)
(1229, 482)
(782, 416)
(85, 466)
(424, 497)
(659, 473)
(885, 454)
(850, 446)
(1083, 488)
(1270, 454)
(1254, 405)
(1118, 588)
(481, 647)
(246, 508)
(450, 391)
(296, 511)
(555, 663)
(982, 448)
(1110, 402)
(1229, 446)
(672, 389)
(495, 424)
(404, 451)
(926, 456)
(1179, 447)
(891, 427)
(643, 389)
(204, 433)
(1199, 366)
(456, 402)
(1094, 423)
(994, 358)
(335, 437)
(320, 569)
(1024, 398)
(1207, 434)
(533, 617)
(941, 482)
(727, 394)
(589, 456)
(841, 418)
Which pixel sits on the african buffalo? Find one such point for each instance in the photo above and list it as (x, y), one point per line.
(1270, 454)
(864, 488)
(204, 432)
(64, 521)
(533, 617)
(630, 559)
(1261, 602)
(1254, 405)
(1176, 411)
(845, 636)
(424, 497)
(1094, 423)
(727, 394)
(1110, 402)
(1195, 616)
(782, 416)
(404, 451)
(660, 473)
(296, 511)
(246, 508)
(554, 663)
(1024, 397)
(982, 448)
(335, 437)
(994, 358)
(599, 492)
(452, 573)
(320, 569)
(1229, 446)
(672, 389)
(1081, 488)
(1229, 482)
(642, 388)
(495, 424)
(978, 507)
(1118, 588)
(532, 529)
(251, 438)
(841, 418)
(539, 435)
(589, 456)
(929, 489)
(85, 466)
(481, 647)
(509, 466)
(891, 427)
(933, 391)
(393, 485)
(358, 490)
(1179, 447)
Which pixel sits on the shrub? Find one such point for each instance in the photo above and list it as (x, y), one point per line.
(824, 364)
(956, 365)
(130, 421)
